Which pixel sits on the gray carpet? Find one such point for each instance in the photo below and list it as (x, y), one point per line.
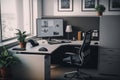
(57, 73)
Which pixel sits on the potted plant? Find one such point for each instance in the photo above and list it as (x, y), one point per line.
(6, 61)
(21, 38)
(100, 9)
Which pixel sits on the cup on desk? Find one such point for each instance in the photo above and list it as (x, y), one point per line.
(73, 38)
(43, 41)
(28, 46)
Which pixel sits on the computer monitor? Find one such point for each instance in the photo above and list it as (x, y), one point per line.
(49, 28)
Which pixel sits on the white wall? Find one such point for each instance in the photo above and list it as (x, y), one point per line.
(50, 8)
(37, 13)
(39, 5)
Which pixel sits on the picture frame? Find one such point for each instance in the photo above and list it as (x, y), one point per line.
(114, 5)
(65, 5)
(89, 5)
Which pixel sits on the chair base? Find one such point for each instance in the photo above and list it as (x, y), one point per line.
(78, 75)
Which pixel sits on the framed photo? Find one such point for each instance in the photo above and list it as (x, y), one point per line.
(65, 5)
(114, 5)
(89, 5)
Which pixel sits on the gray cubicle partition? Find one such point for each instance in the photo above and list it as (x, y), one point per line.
(79, 24)
(109, 45)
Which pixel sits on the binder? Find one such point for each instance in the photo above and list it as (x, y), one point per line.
(79, 35)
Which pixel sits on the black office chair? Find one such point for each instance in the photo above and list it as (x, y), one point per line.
(79, 58)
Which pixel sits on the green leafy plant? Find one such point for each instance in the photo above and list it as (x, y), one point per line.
(21, 35)
(100, 8)
(21, 38)
(7, 59)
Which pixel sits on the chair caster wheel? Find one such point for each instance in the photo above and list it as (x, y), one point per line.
(65, 76)
(90, 77)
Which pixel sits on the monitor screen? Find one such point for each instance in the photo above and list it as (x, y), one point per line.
(49, 27)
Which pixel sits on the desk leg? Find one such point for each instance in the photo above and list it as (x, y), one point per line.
(47, 67)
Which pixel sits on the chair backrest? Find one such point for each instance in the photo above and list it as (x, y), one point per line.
(85, 48)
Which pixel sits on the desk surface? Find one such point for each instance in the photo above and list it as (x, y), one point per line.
(51, 48)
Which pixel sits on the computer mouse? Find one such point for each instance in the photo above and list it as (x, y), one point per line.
(62, 41)
(43, 49)
(96, 43)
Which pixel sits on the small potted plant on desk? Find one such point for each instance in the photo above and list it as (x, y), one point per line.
(100, 9)
(21, 38)
(6, 61)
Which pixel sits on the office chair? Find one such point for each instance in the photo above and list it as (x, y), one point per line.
(79, 58)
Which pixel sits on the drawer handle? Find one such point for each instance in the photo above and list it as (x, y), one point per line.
(111, 50)
(110, 63)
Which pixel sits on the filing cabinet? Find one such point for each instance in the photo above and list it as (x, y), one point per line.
(109, 53)
(109, 61)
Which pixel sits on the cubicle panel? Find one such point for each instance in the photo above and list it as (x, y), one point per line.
(78, 24)
(110, 31)
(32, 67)
(109, 61)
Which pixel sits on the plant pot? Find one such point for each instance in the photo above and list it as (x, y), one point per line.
(22, 44)
(3, 72)
(99, 13)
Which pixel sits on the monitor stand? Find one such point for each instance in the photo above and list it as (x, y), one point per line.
(49, 38)
(46, 38)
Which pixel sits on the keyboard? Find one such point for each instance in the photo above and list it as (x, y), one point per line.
(53, 42)
(65, 41)
(58, 41)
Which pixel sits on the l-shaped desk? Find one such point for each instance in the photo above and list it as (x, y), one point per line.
(47, 55)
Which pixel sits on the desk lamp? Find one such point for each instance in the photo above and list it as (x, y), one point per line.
(68, 30)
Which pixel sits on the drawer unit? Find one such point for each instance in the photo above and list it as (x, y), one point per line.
(109, 61)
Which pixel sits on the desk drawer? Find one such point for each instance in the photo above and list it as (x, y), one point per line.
(109, 68)
(109, 54)
(109, 62)
(109, 51)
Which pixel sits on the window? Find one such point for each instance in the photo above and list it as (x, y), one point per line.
(15, 14)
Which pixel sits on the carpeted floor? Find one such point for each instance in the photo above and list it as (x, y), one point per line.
(57, 73)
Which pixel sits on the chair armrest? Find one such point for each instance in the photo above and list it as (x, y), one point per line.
(69, 59)
(74, 52)
(70, 53)
(77, 48)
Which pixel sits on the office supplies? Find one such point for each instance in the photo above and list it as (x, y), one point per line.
(68, 30)
(28, 45)
(43, 49)
(79, 35)
(33, 42)
(49, 28)
(95, 33)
